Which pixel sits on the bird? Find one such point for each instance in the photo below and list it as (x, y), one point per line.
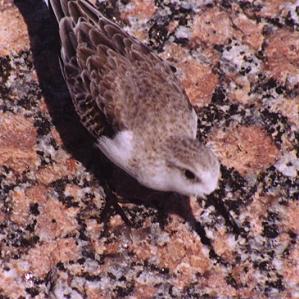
(132, 103)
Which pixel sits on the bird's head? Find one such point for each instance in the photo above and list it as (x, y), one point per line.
(184, 166)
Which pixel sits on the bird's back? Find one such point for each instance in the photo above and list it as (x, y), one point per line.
(114, 80)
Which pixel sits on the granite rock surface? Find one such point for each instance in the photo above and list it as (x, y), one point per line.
(239, 64)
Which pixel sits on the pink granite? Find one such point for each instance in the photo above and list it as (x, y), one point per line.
(238, 61)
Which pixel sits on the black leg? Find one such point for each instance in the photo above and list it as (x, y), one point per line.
(113, 206)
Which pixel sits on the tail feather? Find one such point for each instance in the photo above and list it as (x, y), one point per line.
(75, 9)
(89, 11)
(56, 6)
(68, 13)
(68, 39)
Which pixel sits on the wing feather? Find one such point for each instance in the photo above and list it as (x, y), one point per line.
(107, 70)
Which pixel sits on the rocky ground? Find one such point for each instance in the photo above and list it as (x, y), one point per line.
(239, 64)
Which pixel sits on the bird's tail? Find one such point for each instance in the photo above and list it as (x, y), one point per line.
(65, 8)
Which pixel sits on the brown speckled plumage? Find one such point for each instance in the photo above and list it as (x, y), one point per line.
(112, 75)
(118, 84)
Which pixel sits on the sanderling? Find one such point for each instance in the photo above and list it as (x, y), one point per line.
(118, 84)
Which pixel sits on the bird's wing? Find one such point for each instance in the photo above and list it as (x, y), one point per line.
(99, 61)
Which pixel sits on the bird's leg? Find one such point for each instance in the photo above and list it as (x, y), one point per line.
(112, 203)
(229, 219)
(162, 211)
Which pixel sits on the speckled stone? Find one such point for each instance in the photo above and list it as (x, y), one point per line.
(238, 61)
(213, 26)
(196, 75)
(17, 141)
(282, 54)
(251, 32)
(246, 149)
(199, 81)
(12, 40)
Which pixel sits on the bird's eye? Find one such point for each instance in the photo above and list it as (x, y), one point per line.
(189, 175)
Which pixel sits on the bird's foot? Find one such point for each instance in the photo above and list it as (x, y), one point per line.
(112, 206)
